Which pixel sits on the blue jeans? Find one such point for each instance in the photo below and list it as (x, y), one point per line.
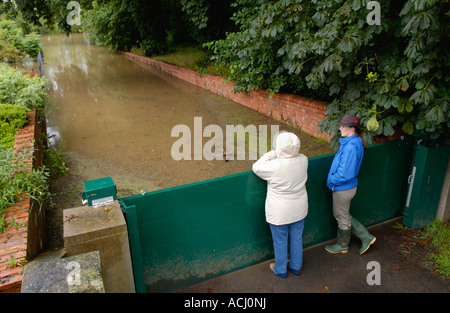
(280, 236)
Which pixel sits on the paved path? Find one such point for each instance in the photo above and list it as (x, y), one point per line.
(325, 272)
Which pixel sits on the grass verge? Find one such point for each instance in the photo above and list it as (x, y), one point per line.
(438, 236)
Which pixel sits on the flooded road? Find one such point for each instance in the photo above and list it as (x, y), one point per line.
(115, 118)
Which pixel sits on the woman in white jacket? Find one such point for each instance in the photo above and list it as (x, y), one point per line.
(285, 171)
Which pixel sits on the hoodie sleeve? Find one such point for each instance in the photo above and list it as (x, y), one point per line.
(264, 168)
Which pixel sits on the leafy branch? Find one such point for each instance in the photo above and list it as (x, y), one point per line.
(322, 51)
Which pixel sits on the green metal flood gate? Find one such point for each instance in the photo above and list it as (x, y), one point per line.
(182, 235)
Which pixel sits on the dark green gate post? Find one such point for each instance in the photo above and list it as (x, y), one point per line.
(425, 183)
(135, 246)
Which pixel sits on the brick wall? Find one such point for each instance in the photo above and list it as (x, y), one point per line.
(294, 110)
(29, 238)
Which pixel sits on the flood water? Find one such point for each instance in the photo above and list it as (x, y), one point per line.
(115, 118)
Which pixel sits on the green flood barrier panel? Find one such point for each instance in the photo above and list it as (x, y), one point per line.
(425, 183)
(182, 235)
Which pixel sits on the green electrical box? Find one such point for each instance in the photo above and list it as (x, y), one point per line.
(99, 192)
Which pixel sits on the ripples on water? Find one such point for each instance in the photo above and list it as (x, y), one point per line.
(115, 117)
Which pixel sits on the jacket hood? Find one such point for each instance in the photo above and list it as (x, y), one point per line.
(287, 145)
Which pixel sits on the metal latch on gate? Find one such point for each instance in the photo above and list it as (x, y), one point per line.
(411, 184)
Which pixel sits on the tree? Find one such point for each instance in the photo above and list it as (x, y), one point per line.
(50, 13)
(208, 19)
(156, 26)
(153, 26)
(111, 24)
(391, 75)
(14, 45)
(34, 10)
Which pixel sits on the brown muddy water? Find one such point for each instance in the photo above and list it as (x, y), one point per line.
(115, 117)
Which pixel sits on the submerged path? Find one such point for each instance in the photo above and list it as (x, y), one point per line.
(115, 118)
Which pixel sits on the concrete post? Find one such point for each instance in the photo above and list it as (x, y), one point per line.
(443, 211)
(103, 229)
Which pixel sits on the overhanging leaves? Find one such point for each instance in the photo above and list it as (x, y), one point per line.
(327, 47)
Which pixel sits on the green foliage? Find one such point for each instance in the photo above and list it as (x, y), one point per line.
(154, 27)
(159, 25)
(34, 10)
(18, 177)
(392, 75)
(24, 90)
(122, 24)
(208, 19)
(12, 117)
(53, 158)
(12, 262)
(32, 44)
(44, 15)
(110, 24)
(14, 45)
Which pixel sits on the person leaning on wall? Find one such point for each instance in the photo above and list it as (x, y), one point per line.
(343, 181)
(286, 207)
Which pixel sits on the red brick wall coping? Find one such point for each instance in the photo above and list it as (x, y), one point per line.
(294, 110)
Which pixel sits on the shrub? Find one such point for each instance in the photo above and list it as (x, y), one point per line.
(18, 179)
(20, 89)
(12, 117)
(14, 46)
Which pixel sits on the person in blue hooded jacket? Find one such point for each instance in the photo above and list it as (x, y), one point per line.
(343, 181)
